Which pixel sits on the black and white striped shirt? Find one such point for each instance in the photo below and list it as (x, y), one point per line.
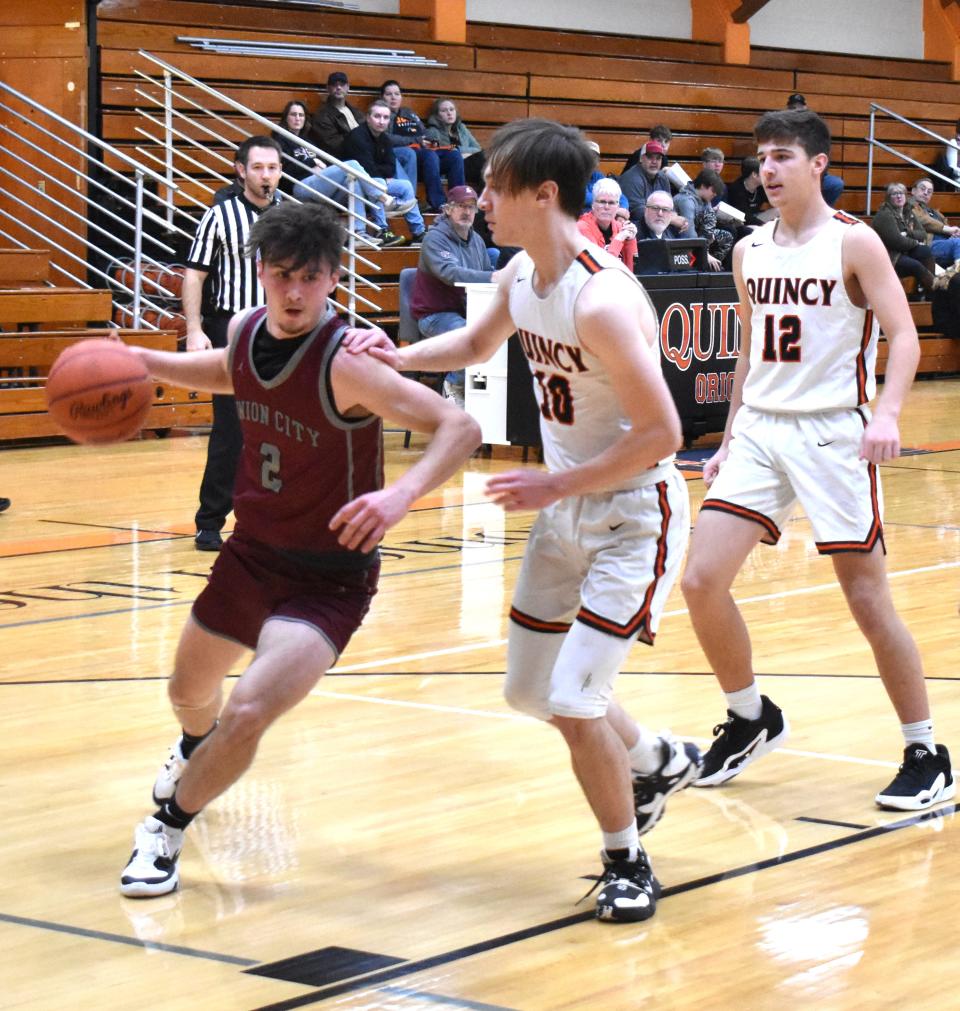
(218, 249)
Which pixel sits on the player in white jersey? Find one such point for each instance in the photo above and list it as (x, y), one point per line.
(614, 514)
(812, 287)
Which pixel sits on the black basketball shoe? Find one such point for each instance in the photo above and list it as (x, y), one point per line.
(679, 766)
(628, 889)
(924, 779)
(740, 742)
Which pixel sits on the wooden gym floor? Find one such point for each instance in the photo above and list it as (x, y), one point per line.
(404, 841)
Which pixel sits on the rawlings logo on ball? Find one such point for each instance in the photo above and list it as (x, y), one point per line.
(107, 405)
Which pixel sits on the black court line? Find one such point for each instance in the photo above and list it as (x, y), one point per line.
(100, 935)
(830, 821)
(432, 962)
(460, 673)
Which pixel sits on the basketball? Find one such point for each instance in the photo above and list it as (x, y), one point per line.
(98, 391)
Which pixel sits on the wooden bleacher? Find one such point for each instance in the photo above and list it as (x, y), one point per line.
(25, 361)
(614, 87)
(46, 307)
(22, 268)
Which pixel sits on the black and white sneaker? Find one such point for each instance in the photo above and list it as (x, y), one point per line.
(152, 868)
(628, 890)
(924, 779)
(679, 767)
(740, 742)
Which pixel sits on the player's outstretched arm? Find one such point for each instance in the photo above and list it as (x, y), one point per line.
(476, 342)
(199, 370)
(372, 385)
(867, 265)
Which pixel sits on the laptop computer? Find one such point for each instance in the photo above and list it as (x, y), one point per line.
(664, 256)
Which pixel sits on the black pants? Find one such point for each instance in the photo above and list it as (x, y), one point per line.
(223, 449)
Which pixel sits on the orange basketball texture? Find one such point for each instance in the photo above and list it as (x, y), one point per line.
(99, 391)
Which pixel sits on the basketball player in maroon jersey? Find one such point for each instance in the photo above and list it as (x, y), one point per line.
(296, 578)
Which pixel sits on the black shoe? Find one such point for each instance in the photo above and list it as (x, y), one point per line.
(208, 540)
(740, 742)
(4, 504)
(417, 238)
(388, 239)
(680, 765)
(924, 779)
(628, 890)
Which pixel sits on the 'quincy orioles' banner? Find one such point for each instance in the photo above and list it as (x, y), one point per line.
(699, 343)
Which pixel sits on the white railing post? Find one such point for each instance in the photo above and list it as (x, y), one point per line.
(352, 243)
(168, 141)
(137, 252)
(871, 139)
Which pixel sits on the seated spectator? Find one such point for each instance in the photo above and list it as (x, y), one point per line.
(747, 193)
(942, 237)
(608, 224)
(695, 202)
(335, 118)
(445, 126)
(407, 134)
(595, 176)
(656, 218)
(660, 133)
(370, 146)
(831, 186)
(313, 178)
(645, 177)
(904, 237)
(451, 253)
(713, 158)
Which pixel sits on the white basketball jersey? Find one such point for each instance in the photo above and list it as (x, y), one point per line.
(580, 415)
(811, 348)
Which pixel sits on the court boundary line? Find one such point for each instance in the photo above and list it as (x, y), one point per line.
(135, 942)
(514, 937)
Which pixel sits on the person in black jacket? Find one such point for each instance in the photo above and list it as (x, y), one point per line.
(370, 146)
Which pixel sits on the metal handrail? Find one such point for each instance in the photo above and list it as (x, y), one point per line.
(354, 198)
(872, 143)
(71, 143)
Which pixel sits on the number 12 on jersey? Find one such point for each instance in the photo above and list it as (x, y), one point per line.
(785, 346)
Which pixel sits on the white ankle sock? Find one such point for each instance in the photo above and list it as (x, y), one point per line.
(625, 839)
(746, 702)
(645, 754)
(920, 732)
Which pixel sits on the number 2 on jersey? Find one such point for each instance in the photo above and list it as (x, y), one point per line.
(270, 468)
(556, 398)
(787, 348)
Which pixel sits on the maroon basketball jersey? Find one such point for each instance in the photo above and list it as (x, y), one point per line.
(302, 460)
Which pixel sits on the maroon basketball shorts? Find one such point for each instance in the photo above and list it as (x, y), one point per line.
(251, 583)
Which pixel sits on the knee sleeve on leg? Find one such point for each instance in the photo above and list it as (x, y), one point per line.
(530, 659)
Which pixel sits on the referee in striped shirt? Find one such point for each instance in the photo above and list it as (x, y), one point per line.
(219, 249)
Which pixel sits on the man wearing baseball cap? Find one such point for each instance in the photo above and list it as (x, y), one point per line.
(336, 117)
(645, 177)
(451, 252)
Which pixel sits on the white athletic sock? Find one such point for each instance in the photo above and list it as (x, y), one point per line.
(625, 839)
(919, 733)
(645, 755)
(746, 702)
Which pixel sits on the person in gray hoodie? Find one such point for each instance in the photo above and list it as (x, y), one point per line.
(451, 253)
